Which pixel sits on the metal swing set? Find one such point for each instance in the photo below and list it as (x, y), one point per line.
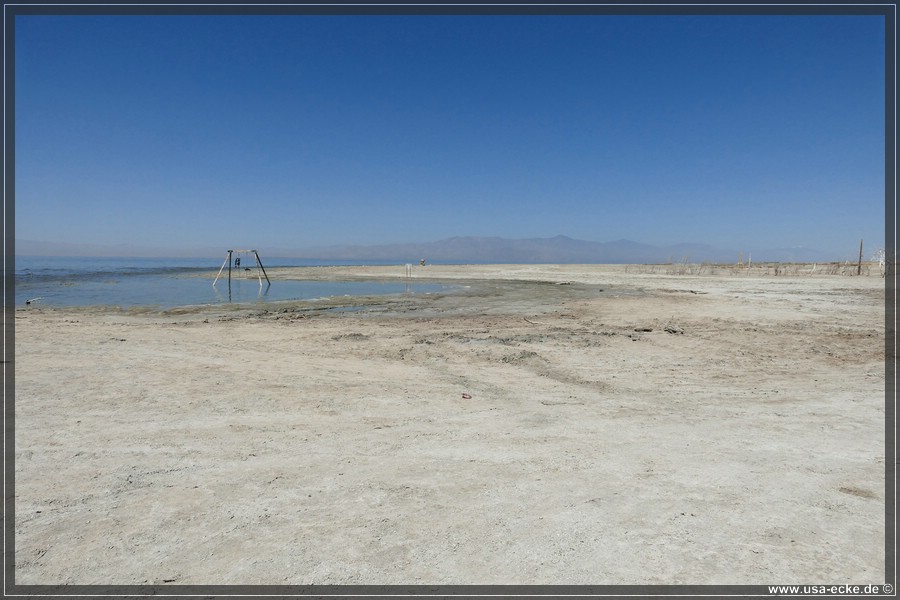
(260, 269)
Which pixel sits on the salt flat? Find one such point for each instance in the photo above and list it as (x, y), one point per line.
(541, 424)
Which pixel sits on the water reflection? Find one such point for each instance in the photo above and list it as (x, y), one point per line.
(261, 294)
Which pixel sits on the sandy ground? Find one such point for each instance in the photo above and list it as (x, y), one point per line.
(541, 425)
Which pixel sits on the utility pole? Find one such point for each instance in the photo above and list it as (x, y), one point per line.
(859, 264)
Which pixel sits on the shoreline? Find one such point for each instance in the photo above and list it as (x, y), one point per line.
(672, 276)
(554, 272)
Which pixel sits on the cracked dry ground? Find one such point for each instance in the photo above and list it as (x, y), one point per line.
(720, 432)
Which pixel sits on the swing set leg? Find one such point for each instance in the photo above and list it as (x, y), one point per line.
(227, 261)
(259, 263)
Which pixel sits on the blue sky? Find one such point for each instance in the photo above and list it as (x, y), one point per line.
(298, 131)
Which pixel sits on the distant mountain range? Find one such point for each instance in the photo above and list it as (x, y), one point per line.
(559, 249)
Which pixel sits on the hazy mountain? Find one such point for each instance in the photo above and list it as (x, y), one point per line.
(559, 249)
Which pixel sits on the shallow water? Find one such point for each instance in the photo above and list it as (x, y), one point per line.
(169, 283)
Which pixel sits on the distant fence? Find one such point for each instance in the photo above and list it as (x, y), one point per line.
(763, 269)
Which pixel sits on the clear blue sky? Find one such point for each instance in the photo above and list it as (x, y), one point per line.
(184, 131)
